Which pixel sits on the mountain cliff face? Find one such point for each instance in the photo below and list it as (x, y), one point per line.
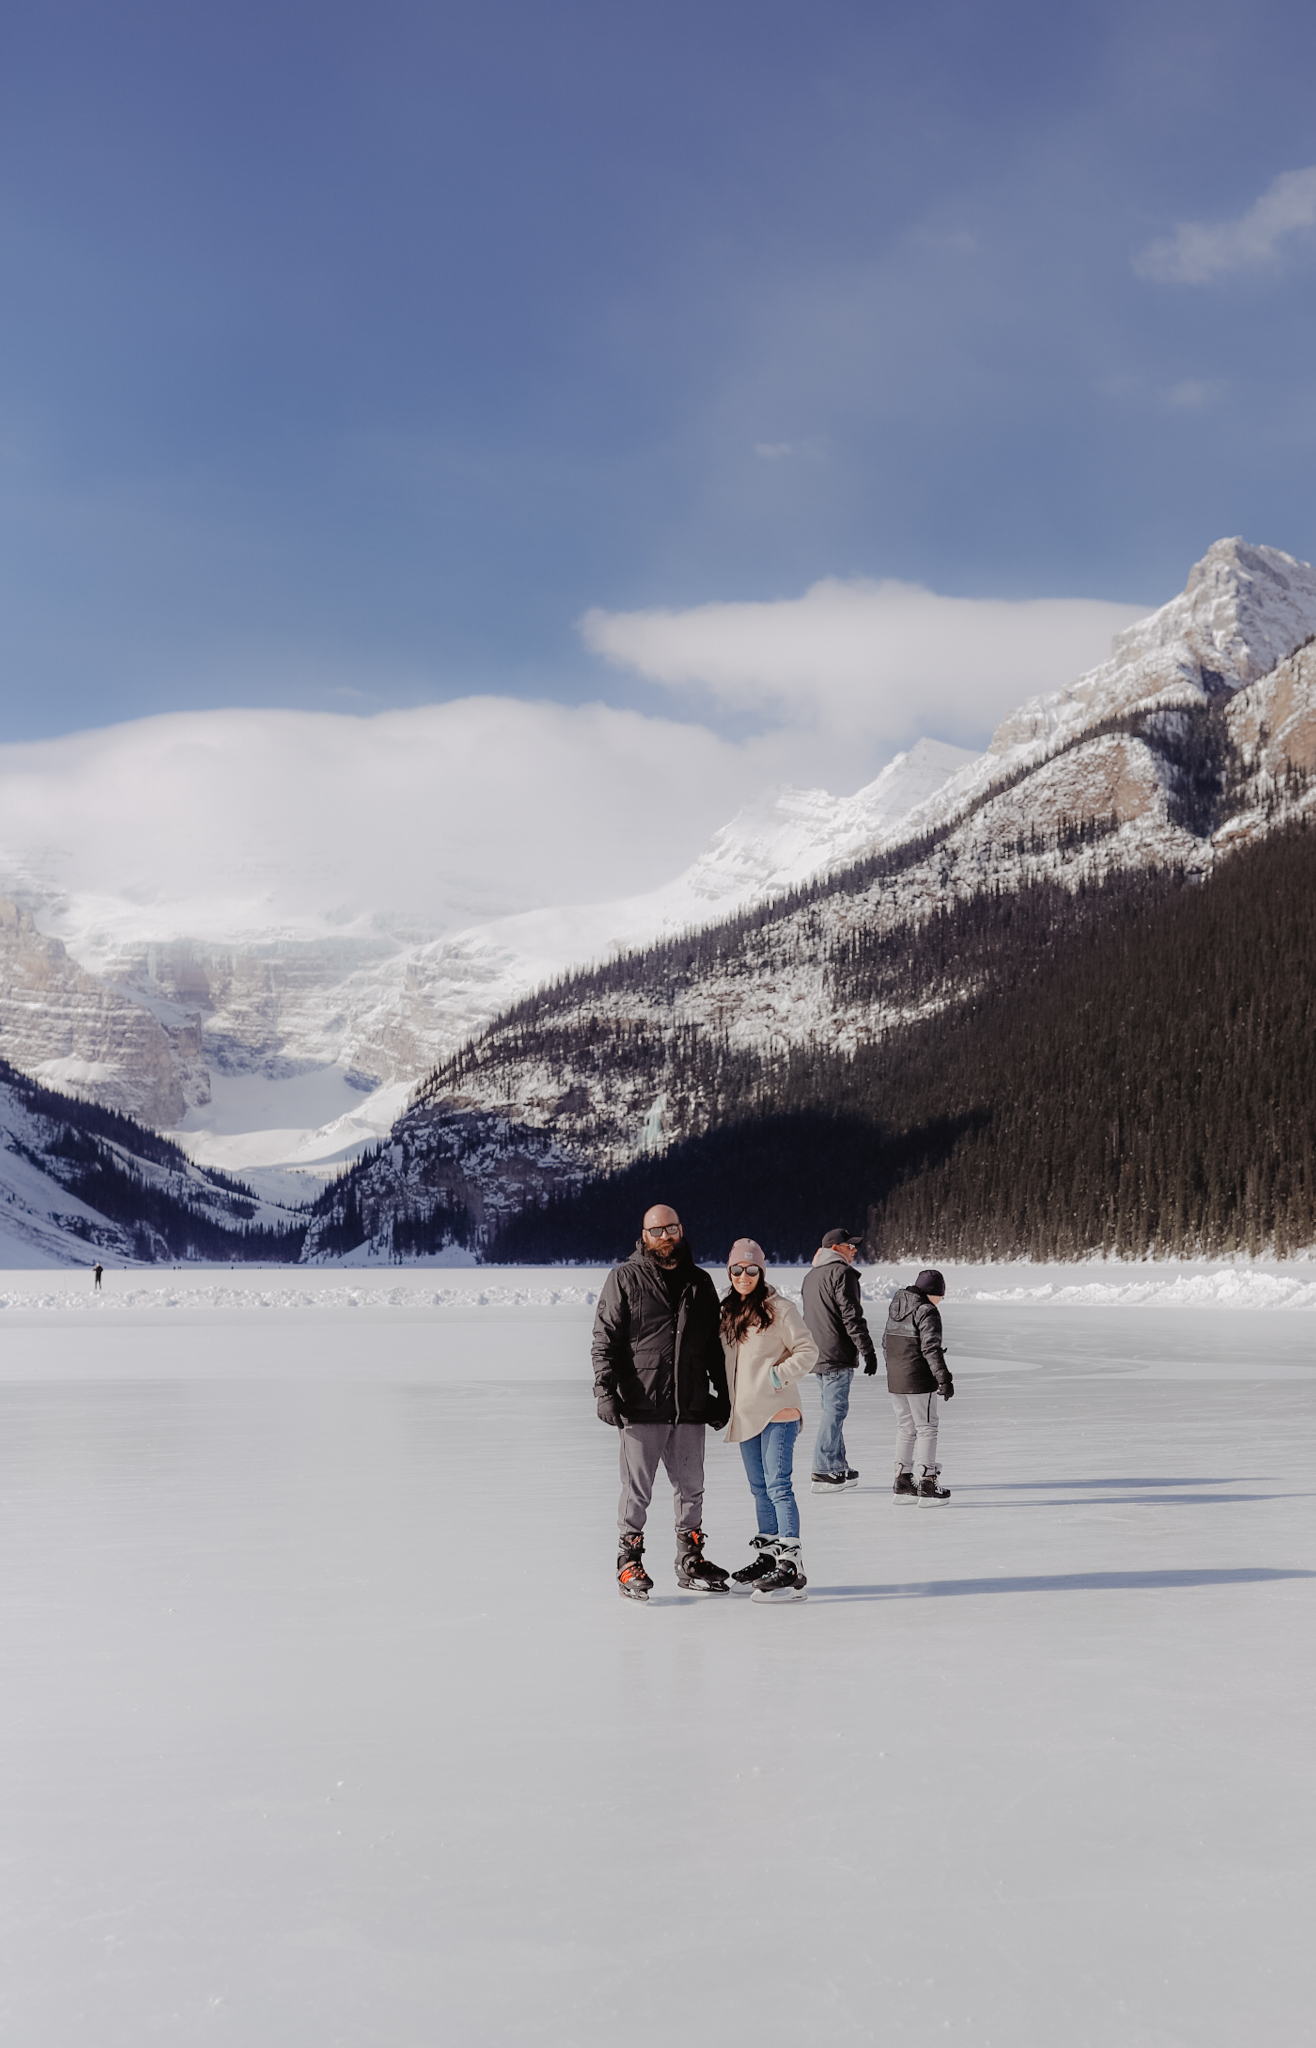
(75, 1030)
(1197, 738)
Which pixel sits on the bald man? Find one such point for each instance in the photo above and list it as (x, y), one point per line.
(660, 1379)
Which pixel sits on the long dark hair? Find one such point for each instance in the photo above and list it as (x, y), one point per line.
(741, 1312)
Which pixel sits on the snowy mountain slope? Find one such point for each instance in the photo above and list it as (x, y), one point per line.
(424, 1005)
(285, 1048)
(1160, 760)
(78, 1181)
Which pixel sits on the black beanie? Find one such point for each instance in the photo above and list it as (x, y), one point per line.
(930, 1281)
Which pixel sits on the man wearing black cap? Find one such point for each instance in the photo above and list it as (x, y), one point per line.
(836, 1323)
(916, 1373)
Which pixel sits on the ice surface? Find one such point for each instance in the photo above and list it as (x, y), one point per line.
(323, 1724)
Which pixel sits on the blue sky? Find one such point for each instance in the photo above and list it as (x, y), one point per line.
(349, 354)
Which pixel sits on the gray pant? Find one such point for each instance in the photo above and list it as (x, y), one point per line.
(679, 1448)
(916, 1424)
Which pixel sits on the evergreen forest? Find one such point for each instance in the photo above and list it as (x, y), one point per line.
(1130, 1073)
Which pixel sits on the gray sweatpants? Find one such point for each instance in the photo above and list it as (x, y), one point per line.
(916, 1426)
(679, 1448)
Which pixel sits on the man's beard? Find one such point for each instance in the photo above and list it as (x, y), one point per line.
(666, 1253)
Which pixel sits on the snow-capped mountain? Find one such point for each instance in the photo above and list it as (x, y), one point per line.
(292, 1047)
(267, 1037)
(1198, 735)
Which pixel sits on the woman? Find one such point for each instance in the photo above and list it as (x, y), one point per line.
(767, 1348)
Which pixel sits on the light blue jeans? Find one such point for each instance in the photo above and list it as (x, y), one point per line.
(768, 1460)
(834, 1386)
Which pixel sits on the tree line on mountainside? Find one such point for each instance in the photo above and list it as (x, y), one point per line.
(92, 1153)
(1130, 1073)
(1204, 776)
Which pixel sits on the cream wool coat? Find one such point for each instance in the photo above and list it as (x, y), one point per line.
(787, 1346)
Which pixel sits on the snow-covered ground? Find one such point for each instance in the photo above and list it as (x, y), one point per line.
(323, 1724)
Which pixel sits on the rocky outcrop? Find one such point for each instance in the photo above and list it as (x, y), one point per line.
(73, 1030)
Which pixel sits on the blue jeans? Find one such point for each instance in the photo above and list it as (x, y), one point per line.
(768, 1460)
(829, 1451)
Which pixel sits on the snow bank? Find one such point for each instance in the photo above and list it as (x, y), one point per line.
(202, 1290)
(332, 1297)
(1248, 1290)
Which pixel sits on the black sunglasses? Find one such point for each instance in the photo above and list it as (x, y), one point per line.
(736, 1271)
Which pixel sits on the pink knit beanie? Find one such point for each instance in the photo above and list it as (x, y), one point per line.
(744, 1252)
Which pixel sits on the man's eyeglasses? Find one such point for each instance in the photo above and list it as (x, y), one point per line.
(662, 1230)
(737, 1271)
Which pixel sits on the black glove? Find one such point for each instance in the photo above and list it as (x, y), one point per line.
(609, 1411)
(719, 1415)
(946, 1388)
(870, 1366)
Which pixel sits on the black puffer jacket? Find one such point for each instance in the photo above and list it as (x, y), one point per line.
(661, 1357)
(831, 1302)
(911, 1345)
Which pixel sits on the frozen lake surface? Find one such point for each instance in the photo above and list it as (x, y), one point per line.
(322, 1721)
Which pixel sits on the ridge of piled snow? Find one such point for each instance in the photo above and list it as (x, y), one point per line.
(1260, 1285)
(1194, 1290)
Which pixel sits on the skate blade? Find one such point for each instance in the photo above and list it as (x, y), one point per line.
(701, 1589)
(626, 1593)
(786, 1593)
(924, 1502)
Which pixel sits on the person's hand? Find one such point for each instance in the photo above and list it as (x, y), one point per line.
(609, 1411)
(946, 1388)
(719, 1415)
(870, 1367)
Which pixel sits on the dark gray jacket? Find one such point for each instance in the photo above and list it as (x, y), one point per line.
(833, 1315)
(911, 1345)
(661, 1357)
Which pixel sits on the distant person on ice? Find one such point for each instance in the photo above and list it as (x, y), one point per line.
(835, 1317)
(916, 1373)
(96, 1272)
(660, 1379)
(767, 1349)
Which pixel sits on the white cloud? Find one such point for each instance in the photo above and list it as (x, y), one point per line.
(224, 826)
(217, 824)
(1199, 251)
(880, 662)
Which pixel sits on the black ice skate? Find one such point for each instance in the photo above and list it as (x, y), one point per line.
(851, 1477)
(904, 1488)
(694, 1573)
(764, 1565)
(929, 1493)
(787, 1581)
(633, 1581)
(828, 1482)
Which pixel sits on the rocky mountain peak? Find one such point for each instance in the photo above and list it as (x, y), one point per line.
(1242, 610)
